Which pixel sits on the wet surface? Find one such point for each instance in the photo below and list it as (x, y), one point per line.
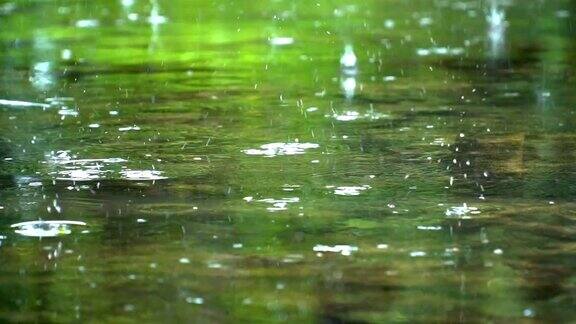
(360, 161)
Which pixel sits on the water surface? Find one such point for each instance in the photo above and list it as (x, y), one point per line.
(283, 161)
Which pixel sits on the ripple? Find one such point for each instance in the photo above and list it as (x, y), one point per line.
(46, 228)
(68, 112)
(139, 175)
(462, 212)
(64, 157)
(278, 204)
(276, 149)
(354, 115)
(81, 174)
(72, 169)
(18, 103)
(349, 190)
(69, 168)
(429, 228)
(129, 128)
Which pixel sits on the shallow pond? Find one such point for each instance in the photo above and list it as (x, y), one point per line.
(269, 161)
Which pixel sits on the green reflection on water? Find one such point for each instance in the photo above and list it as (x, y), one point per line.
(230, 169)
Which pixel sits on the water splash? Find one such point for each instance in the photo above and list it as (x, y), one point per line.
(348, 85)
(155, 18)
(42, 77)
(496, 20)
(349, 69)
(281, 204)
(348, 60)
